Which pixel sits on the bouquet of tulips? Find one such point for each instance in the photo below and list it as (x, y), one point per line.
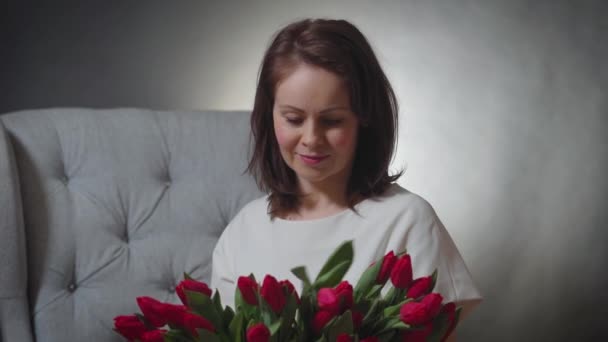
(328, 309)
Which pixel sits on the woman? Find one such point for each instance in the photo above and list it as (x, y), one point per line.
(324, 124)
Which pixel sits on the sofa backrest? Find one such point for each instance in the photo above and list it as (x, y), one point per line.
(115, 204)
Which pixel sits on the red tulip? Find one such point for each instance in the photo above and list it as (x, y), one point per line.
(193, 286)
(320, 321)
(289, 289)
(370, 339)
(401, 274)
(152, 310)
(192, 322)
(258, 333)
(344, 291)
(157, 335)
(174, 313)
(248, 288)
(336, 300)
(420, 287)
(417, 313)
(129, 326)
(344, 338)
(433, 301)
(272, 292)
(357, 319)
(450, 309)
(328, 301)
(420, 335)
(387, 265)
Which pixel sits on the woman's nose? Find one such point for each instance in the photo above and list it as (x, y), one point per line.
(313, 135)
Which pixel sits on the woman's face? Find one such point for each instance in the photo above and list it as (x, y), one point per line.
(315, 127)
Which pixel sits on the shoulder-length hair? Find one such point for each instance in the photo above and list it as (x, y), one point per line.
(339, 47)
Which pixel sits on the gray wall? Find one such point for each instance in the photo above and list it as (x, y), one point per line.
(503, 103)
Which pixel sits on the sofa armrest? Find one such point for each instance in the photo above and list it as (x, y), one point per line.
(14, 309)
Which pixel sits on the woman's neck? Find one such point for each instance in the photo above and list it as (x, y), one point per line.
(319, 201)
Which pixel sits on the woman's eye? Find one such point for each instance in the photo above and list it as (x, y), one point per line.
(294, 121)
(332, 122)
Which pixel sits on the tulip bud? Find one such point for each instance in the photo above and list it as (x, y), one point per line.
(157, 335)
(450, 310)
(344, 338)
(289, 289)
(320, 321)
(420, 287)
(344, 291)
(258, 333)
(272, 292)
(418, 335)
(417, 313)
(387, 265)
(248, 288)
(129, 326)
(401, 274)
(371, 339)
(192, 322)
(152, 310)
(193, 286)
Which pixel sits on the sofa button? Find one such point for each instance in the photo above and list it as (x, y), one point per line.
(171, 289)
(72, 287)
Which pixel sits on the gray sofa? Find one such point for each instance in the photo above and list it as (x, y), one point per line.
(98, 207)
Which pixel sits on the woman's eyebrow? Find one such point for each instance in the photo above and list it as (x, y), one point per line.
(329, 109)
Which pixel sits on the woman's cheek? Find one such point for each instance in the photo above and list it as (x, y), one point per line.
(344, 140)
(282, 136)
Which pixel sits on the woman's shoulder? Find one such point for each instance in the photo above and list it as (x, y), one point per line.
(253, 210)
(399, 200)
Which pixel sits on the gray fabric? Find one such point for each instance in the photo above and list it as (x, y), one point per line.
(14, 314)
(118, 204)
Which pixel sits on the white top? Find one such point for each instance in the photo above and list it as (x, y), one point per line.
(399, 219)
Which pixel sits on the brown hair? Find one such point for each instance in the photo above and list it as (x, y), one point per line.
(339, 47)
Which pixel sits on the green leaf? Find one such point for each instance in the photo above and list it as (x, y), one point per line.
(380, 325)
(203, 305)
(394, 296)
(236, 327)
(332, 277)
(374, 310)
(207, 336)
(389, 336)
(374, 291)
(344, 253)
(301, 273)
(392, 324)
(224, 337)
(288, 317)
(176, 336)
(217, 302)
(187, 276)
(342, 325)
(399, 326)
(434, 280)
(367, 280)
(274, 327)
(457, 315)
(440, 327)
(227, 317)
(394, 309)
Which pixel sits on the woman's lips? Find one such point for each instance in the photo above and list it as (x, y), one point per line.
(312, 160)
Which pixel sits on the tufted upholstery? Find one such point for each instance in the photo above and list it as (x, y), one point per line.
(98, 207)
